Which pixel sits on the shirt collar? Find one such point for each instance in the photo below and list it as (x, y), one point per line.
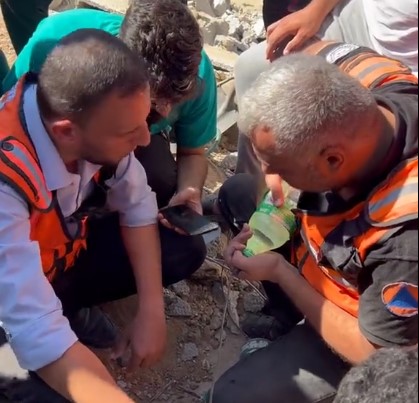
(53, 167)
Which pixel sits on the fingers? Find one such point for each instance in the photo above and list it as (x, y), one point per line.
(281, 31)
(295, 43)
(238, 243)
(274, 183)
(121, 347)
(166, 224)
(272, 27)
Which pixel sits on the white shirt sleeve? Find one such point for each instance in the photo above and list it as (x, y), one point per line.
(30, 311)
(130, 195)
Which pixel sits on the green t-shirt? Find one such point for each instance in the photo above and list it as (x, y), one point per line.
(193, 121)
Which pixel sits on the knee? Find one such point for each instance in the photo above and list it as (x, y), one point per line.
(248, 67)
(237, 199)
(182, 257)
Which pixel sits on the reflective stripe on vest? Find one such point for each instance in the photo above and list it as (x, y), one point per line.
(367, 66)
(384, 206)
(21, 165)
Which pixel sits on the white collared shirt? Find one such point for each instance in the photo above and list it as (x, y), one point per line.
(29, 309)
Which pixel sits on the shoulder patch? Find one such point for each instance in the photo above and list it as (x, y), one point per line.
(401, 299)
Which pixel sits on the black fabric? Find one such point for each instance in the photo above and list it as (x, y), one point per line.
(160, 167)
(274, 10)
(22, 17)
(297, 368)
(394, 261)
(103, 273)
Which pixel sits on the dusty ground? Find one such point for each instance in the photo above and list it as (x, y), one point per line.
(195, 355)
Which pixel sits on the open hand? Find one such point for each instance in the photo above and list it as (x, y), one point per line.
(144, 340)
(302, 25)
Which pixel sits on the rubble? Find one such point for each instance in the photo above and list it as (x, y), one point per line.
(227, 26)
(190, 351)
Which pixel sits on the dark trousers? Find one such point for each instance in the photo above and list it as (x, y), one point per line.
(22, 17)
(103, 273)
(298, 367)
(161, 168)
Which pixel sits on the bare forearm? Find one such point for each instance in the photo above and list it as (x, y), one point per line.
(339, 329)
(80, 377)
(143, 248)
(192, 171)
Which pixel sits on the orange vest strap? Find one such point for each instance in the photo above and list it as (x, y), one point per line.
(21, 171)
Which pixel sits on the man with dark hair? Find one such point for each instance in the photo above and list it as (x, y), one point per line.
(78, 220)
(390, 375)
(182, 80)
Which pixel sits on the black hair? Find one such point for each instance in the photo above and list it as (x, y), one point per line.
(390, 375)
(166, 34)
(84, 67)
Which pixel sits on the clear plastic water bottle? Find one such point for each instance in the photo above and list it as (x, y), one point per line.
(272, 226)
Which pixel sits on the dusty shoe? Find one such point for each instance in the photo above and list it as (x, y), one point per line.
(94, 328)
(261, 326)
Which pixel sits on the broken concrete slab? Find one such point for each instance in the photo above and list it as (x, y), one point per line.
(221, 58)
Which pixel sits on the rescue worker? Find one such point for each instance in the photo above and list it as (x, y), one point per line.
(78, 222)
(183, 85)
(351, 270)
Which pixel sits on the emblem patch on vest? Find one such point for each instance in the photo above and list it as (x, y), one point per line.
(401, 299)
(340, 51)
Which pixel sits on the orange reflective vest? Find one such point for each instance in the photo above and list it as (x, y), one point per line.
(19, 168)
(370, 68)
(334, 246)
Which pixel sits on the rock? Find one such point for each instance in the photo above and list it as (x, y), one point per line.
(252, 302)
(235, 28)
(249, 37)
(218, 293)
(205, 6)
(169, 296)
(181, 289)
(221, 58)
(234, 329)
(216, 322)
(230, 161)
(231, 44)
(259, 28)
(179, 308)
(211, 27)
(190, 351)
(194, 335)
(206, 365)
(220, 336)
(220, 6)
(233, 297)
